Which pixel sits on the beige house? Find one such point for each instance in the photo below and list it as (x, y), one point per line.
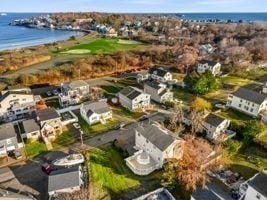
(16, 103)
(95, 112)
(154, 145)
(31, 129)
(50, 123)
(134, 99)
(159, 92)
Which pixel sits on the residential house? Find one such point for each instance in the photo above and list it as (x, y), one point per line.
(134, 99)
(31, 129)
(95, 112)
(159, 92)
(50, 123)
(16, 103)
(73, 92)
(248, 101)
(142, 76)
(213, 67)
(8, 139)
(206, 48)
(11, 195)
(216, 127)
(66, 180)
(155, 146)
(159, 74)
(160, 193)
(257, 189)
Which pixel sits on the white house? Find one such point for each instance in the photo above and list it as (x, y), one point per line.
(95, 112)
(264, 88)
(142, 76)
(134, 99)
(159, 92)
(213, 67)
(216, 127)
(16, 103)
(257, 189)
(155, 146)
(66, 180)
(159, 74)
(248, 101)
(73, 92)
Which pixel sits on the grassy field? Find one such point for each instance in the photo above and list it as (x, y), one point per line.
(96, 128)
(109, 172)
(66, 138)
(35, 148)
(102, 46)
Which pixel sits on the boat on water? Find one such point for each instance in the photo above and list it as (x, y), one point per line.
(70, 160)
(3, 14)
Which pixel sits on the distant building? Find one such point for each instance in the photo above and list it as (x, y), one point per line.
(50, 123)
(248, 101)
(213, 67)
(155, 146)
(159, 74)
(257, 189)
(8, 139)
(73, 92)
(159, 92)
(206, 48)
(142, 76)
(16, 103)
(134, 99)
(66, 180)
(95, 112)
(160, 194)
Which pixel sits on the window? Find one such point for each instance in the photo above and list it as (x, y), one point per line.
(241, 100)
(239, 105)
(253, 105)
(251, 110)
(24, 99)
(258, 196)
(146, 141)
(138, 134)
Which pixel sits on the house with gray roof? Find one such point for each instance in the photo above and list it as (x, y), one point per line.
(216, 127)
(8, 139)
(95, 112)
(66, 180)
(31, 129)
(134, 99)
(159, 74)
(159, 92)
(73, 92)
(248, 101)
(154, 145)
(206, 65)
(50, 123)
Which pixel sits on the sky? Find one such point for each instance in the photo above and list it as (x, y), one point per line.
(134, 6)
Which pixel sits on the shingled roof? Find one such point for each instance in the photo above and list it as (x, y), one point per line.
(159, 137)
(99, 107)
(47, 114)
(7, 131)
(214, 120)
(30, 126)
(157, 71)
(130, 92)
(259, 183)
(250, 95)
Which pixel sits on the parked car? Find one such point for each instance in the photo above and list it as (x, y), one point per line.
(55, 92)
(48, 93)
(47, 168)
(76, 125)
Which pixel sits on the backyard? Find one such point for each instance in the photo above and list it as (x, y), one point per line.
(110, 174)
(102, 46)
(66, 138)
(35, 148)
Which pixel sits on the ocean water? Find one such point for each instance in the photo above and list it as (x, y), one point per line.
(246, 17)
(12, 37)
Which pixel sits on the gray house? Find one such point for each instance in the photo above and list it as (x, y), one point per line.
(8, 139)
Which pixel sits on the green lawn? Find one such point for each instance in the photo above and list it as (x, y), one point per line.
(35, 148)
(104, 46)
(96, 128)
(181, 94)
(123, 113)
(109, 171)
(235, 115)
(234, 80)
(64, 139)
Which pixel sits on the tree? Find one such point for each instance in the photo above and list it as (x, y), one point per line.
(200, 105)
(200, 83)
(251, 130)
(191, 170)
